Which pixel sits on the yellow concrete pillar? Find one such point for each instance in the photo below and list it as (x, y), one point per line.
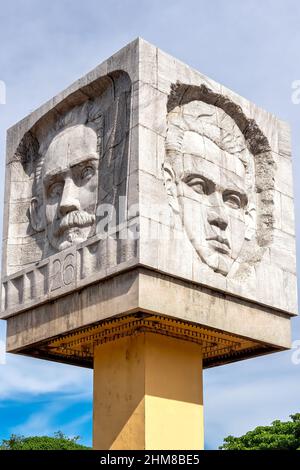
(148, 394)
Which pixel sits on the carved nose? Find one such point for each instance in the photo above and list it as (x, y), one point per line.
(68, 202)
(68, 207)
(220, 220)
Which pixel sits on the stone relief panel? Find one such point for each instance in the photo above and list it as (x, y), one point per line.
(209, 172)
(65, 187)
(219, 177)
(67, 178)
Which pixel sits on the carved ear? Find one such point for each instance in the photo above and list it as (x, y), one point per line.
(250, 222)
(37, 219)
(170, 184)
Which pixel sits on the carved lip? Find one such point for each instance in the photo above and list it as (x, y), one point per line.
(222, 244)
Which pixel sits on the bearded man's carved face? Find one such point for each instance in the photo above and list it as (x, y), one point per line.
(70, 186)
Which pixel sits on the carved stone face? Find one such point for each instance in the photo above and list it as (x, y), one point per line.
(208, 183)
(70, 186)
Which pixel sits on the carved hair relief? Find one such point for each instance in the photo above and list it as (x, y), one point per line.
(66, 181)
(73, 161)
(219, 176)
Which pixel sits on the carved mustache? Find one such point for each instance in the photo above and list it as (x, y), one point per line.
(73, 219)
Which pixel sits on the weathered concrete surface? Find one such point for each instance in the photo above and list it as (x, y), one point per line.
(193, 183)
(140, 292)
(143, 107)
(148, 394)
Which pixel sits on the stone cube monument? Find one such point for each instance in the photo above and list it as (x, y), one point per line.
(148, 233)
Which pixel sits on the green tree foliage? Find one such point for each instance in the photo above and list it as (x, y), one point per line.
(58, 442)
(279, 436)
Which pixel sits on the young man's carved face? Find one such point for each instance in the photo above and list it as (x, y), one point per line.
(209, 184)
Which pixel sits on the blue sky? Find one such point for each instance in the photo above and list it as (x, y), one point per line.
(251, 47)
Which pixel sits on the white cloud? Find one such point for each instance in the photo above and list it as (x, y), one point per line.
(252, 393)
(40, 422)
(2, 353)
(45, 421)
(68, 428)
(22, 377)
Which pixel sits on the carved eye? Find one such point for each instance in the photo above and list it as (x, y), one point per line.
(199, 185)
(55, 189)
(87, 172)
(233, 200)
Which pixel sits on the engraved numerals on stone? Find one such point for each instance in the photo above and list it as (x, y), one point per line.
(68, 271)
(63, 271)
